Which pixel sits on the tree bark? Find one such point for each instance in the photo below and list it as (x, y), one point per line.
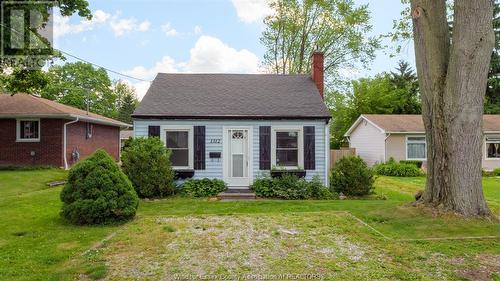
(452, 77)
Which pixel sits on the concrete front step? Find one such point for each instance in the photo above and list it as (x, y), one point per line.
(236, 194)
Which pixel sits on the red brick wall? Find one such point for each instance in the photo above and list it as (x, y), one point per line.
(48, 151)
(105, 137)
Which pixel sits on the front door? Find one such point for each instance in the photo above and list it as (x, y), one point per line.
(237, 158)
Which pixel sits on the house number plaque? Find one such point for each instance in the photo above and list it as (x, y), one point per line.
(215, 140)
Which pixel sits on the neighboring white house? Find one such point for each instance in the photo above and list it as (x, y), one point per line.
(236, 127)
(378, 137)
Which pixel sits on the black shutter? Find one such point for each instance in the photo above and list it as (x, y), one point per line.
(153, 131)
(309, 148)
(199, 147)
(265, 147)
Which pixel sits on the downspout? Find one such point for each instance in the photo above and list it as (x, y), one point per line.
(327, 153)
(385, 147)
(64, 142)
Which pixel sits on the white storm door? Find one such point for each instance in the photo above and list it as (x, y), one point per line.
(237, 172)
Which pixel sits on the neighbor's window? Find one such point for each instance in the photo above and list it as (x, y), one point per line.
(493, 147)
(28, 130)
(416, 148)
(178, 143)
(287, 148)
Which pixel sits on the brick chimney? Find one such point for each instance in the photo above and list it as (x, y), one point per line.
(317, 69)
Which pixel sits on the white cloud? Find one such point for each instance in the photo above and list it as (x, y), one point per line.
(250, 11)
(197, 30)
(208, 55)
(62, 26)
(123, 26)
(120, 26)
(166, 64)
(169, 30)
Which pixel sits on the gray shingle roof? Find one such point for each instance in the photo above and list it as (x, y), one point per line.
(232, 96)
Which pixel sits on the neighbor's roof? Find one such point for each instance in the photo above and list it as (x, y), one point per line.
(232, 96)
(401, 123)
(26, 106)
(126, 134)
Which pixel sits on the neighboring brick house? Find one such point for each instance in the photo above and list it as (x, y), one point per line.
(36, 131)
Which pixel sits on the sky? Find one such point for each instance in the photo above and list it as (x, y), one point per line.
(142, 38)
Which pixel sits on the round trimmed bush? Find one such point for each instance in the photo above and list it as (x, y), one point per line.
(351, 176)
(97, 191)
(146, 162)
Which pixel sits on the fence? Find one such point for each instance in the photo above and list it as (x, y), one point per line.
(337, 154)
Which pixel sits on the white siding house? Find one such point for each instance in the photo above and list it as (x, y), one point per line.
(237, 127)
(369, 141)
(378, 137)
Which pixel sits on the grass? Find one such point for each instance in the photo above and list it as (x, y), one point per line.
(186, 236)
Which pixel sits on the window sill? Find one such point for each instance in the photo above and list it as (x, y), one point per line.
(27, 140)
(295, 172)
(183, 173)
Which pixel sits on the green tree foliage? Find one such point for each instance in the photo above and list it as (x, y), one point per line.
(98, 192)
(335, 27)
(146, 162)
(32, 80)
(126, 101)
(351, 176)
(80, 85)
(402, 32)
(492, 105)
(387, 93)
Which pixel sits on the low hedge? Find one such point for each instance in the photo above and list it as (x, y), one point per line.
(291, 187)
(494, 173)
(417, 163)
(394, 169)
(203, 188)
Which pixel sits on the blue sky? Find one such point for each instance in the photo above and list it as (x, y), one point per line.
(141, 38)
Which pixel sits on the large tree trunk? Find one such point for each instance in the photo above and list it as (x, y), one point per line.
(453, 76)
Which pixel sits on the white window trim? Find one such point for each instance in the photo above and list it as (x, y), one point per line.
(18, 130)
(189, 129)
(486, 142)
(300, 144)
(406, 146)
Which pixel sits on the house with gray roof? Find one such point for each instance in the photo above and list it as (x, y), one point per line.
(237, 127)
(379, 137)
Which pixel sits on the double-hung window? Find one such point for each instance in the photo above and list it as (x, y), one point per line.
(493, 147)
(288, 148)
(180, 142)
(416, 148)
(28, 130)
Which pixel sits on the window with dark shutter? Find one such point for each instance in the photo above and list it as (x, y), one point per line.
(154, 131)
(199, 147)
(265, 147)
(309, 148)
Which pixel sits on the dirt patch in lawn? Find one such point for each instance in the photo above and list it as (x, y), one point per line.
(488, 267)
(237, 246)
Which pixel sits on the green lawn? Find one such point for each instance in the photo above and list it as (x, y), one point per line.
(349, 239)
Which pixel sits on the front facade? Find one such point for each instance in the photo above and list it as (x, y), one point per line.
(40, 132)
(377, 138)
(238, 127)
(238, 151)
